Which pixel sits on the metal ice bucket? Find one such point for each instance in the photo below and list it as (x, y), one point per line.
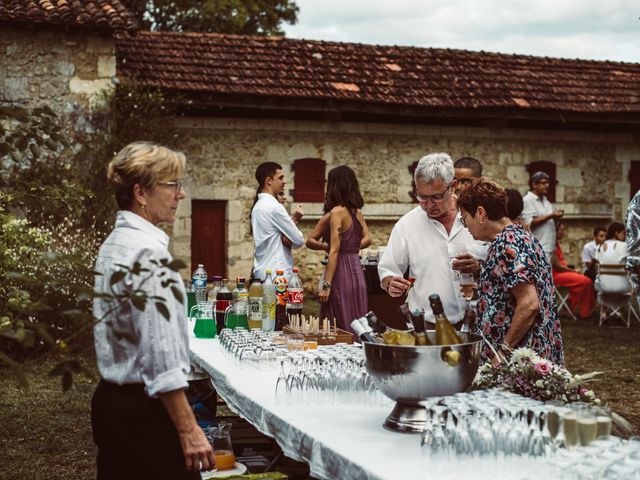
(410, 374)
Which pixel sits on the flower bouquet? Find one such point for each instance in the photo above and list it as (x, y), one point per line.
(531, 376)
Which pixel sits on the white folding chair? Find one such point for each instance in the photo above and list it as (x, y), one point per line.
(615, 293)
(562, 302)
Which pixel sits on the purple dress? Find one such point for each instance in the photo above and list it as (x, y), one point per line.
(348, 297)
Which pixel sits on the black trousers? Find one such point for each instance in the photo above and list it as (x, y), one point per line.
(135, 436)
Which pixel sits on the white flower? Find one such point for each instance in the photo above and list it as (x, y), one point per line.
(539, 383)
(519, 355)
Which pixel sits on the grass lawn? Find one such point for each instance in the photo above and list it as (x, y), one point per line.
(46, 434)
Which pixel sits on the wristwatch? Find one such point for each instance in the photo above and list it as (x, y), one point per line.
(326, 286)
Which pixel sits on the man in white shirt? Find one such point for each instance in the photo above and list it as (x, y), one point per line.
(274, 231)
(425, 241)
(589, 252)
(539, 214)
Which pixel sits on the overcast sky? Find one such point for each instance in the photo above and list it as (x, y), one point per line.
(588, 29)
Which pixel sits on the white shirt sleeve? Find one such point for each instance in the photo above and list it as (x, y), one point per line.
(285, 224)
(395, 259)
(528, 210)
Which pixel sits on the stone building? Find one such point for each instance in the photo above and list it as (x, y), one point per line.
(312, 105)
(61, 54)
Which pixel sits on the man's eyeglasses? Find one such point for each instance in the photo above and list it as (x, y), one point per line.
(177, 185)
(437, 198)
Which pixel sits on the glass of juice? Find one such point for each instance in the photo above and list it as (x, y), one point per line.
(295, 342)
(220, 438)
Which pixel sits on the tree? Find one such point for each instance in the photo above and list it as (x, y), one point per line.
(247, 17)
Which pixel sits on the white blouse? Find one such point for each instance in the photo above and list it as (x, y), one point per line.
(134, 346)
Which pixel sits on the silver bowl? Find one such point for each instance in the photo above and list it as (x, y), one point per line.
(411, 374)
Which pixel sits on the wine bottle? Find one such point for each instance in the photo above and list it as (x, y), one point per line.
(390, 336)
(406, 313)
(364, 331)
(420, 331)
(445, 333)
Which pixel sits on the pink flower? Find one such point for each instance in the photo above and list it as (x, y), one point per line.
(542, 368)
(583, 390)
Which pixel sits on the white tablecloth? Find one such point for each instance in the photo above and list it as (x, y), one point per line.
(345, 442)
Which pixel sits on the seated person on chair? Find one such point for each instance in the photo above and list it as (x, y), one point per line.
(581, 294)
(589, 262)
(612, 252)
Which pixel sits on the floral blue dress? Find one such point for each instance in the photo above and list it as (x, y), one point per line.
(514, 257)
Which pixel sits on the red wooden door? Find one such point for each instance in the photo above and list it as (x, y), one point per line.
(634, 177)
(209, 236)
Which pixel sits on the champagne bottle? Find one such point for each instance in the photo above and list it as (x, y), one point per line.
(406, 313)
(364, 331)
(445, 333)
(420, 331)
(390, 336)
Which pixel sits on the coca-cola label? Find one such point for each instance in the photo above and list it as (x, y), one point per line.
(221, 305)
(296, 295)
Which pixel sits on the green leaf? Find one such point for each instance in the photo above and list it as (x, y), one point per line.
(16, 369)
(43, 332)
(59, 369)
(177, 293)
(35, 150)
(5, 148)
(164, 311)
(117, 277)
(51, 145)
(67, 380)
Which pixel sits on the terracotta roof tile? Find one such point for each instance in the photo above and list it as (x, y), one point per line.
(105, 14)
(403, 76)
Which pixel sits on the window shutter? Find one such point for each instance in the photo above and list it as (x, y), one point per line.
(309, 180)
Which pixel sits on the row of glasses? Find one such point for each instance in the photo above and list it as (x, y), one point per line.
(253, 349)
(495, 427)
(330, 375)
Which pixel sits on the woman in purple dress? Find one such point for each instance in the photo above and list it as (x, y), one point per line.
(344, 232)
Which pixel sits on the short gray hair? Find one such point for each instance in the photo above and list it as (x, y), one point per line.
(435, 166)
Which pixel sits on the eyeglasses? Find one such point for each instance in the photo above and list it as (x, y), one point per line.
(177, 185)
(437, 198)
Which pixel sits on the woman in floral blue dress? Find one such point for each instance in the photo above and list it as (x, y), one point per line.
(516, 306)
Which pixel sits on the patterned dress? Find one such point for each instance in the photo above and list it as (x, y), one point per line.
(514, 257)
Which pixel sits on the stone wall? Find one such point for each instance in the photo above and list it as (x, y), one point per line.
(223, 153)
(66, 70)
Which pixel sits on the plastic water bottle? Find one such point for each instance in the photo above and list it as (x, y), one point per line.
(268, 304)
(199, 282)
(216, 285)
(296, 296)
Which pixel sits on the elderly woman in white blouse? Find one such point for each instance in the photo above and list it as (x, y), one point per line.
(142, 423)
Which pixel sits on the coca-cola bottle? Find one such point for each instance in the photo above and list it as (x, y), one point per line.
(296, 296)
(281, 286)
(224, 297)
